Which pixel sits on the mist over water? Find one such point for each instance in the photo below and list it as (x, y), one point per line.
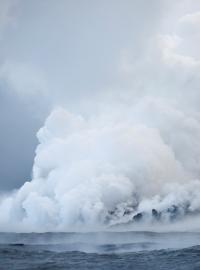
(99, 250)
(129, 156)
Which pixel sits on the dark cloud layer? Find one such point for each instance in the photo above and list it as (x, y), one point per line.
(18, 141)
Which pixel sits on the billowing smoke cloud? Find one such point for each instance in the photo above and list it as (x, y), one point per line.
(132, 158)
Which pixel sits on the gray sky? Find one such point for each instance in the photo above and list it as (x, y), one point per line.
(69, 53)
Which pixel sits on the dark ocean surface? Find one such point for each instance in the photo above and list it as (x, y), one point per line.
(105, 250)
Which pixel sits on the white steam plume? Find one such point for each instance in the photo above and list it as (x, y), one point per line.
(135, 161)
(101, 171)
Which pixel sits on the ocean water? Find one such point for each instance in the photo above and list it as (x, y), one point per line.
(102, 250)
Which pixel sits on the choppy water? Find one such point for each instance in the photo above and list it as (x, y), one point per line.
(109, 250)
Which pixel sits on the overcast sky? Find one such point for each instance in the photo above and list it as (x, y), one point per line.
(70, 52)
